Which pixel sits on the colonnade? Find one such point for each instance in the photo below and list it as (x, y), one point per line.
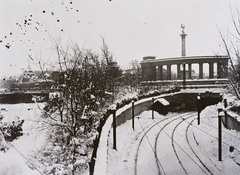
(153, 70)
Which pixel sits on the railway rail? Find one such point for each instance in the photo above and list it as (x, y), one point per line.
(172, 144)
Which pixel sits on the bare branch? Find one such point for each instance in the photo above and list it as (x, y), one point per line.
(234, 21)
(227, 49)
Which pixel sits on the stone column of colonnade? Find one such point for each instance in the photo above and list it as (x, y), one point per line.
(178, 72)
(160, 72)
(211, 72)
(189, 70)
(200, 70)
(169, 75)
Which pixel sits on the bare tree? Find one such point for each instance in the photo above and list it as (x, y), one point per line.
(232, 48)
(71, 115)
(112, 70)
(132, 76)
(137, 72)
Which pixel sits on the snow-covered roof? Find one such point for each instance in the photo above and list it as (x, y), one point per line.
(163, 101)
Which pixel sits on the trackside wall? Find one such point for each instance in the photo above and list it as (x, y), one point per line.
(230, 122)
(139, 107)
(125, 113)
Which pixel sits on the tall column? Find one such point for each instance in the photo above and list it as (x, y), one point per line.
(183, 36)
(169, 72)
(211, 74)
(200, 70)
(178, 72)
(189, 70)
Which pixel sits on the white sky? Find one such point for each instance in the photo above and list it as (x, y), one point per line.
(132, 28)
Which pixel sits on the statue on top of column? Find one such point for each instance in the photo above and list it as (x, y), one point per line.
(183, 27)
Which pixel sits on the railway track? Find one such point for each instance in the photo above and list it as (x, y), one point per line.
(168, 137)
(153, 143)
(190, 146)
(172, 144)
(194, 159)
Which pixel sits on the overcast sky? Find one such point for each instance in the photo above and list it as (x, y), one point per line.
(132, 28)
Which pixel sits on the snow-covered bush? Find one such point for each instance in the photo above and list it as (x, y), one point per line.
(64, 154)
(10, 131)
(233, 103)
(128, 98)
(3, 144)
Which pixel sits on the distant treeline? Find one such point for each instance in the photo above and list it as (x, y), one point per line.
(43, 81)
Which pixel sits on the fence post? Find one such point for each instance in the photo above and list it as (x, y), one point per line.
(114, 131)
(133, 115)
(225, 111)
(152, 108)
(220, 115)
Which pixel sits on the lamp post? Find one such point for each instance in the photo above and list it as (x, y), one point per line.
(198, 101)
(184, 75)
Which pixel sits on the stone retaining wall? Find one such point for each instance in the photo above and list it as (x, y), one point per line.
(230, 122)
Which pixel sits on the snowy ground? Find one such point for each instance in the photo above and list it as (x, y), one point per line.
(173, 144)
(15, 161)
(196, 146)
